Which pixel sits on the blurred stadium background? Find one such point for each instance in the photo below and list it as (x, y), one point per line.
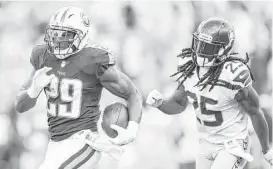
(146, 37)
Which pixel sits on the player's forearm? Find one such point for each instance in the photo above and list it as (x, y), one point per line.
(260, 127)
(24, 102)
(134, 103)
(170, 106)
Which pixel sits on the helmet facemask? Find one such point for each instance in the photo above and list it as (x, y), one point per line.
(207, 53)
(63, 42)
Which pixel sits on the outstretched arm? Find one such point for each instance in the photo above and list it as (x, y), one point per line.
(249, 99)
(24, 101)
(174, 104)
(120, 85)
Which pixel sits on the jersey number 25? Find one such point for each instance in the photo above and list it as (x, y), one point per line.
(203, 101)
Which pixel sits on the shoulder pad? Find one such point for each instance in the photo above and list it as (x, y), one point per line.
(236, 73)
(101, 47)
(102, 55)
(97, 60)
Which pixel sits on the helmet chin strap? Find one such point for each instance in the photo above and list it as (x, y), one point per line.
(204, 62)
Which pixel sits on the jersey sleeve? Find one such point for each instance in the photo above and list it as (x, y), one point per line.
(235, 76)
(243, 78)
(239, 75)
(106, 60)
(35, 58)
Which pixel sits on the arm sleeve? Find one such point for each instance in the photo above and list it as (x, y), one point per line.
(236, 76)
(242, 77)
(34, 58)
(108, 59)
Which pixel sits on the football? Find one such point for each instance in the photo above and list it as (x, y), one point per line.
(115, 113)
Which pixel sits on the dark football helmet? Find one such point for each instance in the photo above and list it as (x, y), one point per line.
(213, 41)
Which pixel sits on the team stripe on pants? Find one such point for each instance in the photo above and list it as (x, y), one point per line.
(79, 158)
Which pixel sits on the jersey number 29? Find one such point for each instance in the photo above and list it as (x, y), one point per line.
(70, 92)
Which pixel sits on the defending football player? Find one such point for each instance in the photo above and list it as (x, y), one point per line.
(219, 85)
(73, 74)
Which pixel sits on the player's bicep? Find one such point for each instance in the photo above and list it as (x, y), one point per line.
(176, 103)
(117, 82)
(249, 99)
(180, 96)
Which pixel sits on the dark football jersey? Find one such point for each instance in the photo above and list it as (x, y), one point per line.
(73, 96)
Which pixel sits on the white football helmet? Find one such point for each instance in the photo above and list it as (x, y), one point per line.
(67, 32)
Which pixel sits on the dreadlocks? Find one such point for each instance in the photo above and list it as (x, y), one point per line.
(212, 75)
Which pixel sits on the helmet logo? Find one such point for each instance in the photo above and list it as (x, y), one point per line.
(63, 63)
(85, 19)
(205, 36)
(212, 29)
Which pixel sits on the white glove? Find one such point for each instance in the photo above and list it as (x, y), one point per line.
(39, 81)
(155, 98)
(125, 136)
(268, 156)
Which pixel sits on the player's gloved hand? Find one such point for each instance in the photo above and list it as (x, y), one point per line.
(40, 80)
(155, 98)
(268, 156)
(125, 136)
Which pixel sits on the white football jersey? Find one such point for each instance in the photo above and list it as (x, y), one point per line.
(219, 116)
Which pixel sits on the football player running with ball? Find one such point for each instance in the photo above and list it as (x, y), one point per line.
(72, 74)
(218, 83)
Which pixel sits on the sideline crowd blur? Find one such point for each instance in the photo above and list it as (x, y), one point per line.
(146, 37)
